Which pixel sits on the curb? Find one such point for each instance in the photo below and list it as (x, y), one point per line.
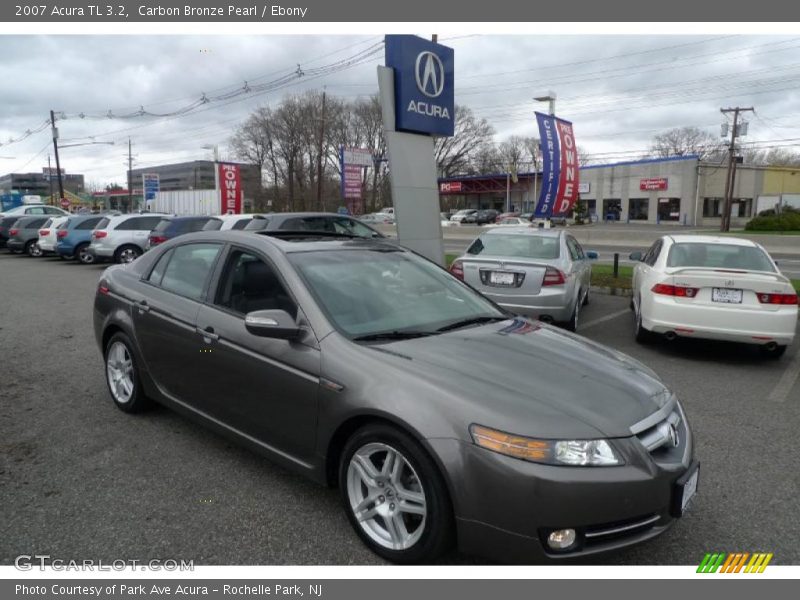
(611, 291)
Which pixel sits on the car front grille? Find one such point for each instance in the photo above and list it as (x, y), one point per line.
(665, 434)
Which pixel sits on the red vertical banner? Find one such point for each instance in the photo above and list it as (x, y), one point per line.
(568, 177)
(230, 185)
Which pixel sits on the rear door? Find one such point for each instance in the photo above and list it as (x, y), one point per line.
(644, 273)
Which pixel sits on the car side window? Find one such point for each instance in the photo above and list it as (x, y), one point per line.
(652, 255)
(36, 210)
(127, 224)
(573, 249)
(158, 271)
(189, 268)
(248, 283)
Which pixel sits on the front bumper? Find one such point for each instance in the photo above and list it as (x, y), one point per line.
(506, 507)
(746, 325)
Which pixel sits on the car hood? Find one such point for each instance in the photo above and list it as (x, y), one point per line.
(530, 378)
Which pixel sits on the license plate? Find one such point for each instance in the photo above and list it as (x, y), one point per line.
(497, 278)
(685, 490)
(726, 295)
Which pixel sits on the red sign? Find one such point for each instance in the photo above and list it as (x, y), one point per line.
(568, 177)
(352, 182)
(450, 187)
(230, 185)
(655, 183)
(65, 204)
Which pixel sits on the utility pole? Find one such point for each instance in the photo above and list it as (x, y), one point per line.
(130, 176)
(55, 150)
(320, 201)
(725, 223)
(50, 178)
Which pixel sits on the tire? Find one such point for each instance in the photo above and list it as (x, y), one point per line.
(127, 254)
(120, 367)
(427, 529)
(572, 324)
(774, 354)
(33, 250)
(643, 336)
(586, 298)
(83, 256)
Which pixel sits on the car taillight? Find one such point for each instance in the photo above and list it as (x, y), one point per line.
(553, 276)
(157, 239)
(12, 232)
(457, 269)
(61, 233)
(678, 291)
(44, 232)
(777, 298)
(99, 233)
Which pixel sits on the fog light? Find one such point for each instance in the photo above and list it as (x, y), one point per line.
(561, 539)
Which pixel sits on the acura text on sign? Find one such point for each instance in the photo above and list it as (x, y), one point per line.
(230, 183)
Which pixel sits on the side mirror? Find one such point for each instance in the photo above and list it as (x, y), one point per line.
(275, 323)
(635, 256)
(592, 255)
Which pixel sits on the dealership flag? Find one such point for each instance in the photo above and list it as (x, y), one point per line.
(560, 176)
(230, 182)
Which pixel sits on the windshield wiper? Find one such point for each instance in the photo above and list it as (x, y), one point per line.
(392, 335)
(471, 321)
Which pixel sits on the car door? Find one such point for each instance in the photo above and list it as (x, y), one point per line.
(164, 315)
(266, 388)
(585, 265)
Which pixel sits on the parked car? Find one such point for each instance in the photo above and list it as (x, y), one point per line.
(170, 227)
(387, 210)
(462, 214)
(507, 215)
(5, 224)
(512, 222)
(48, 234)
(225, 222)
(74, 237)
(353, 363)
(33, 209)
(481, 217)
(532, 272)
(23, 235)
(327, 222)
(122, 238)
(714, 288)
(377, 219)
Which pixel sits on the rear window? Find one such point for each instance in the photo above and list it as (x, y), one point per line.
(88, 223)
(162, 225)
(103, 223)
(213, 225)
(719, 256)
(257, 225)
(241, 223)
(517, 246)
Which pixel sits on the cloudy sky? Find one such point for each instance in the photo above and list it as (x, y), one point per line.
(618, 90)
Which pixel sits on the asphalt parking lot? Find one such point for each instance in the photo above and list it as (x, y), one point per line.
(80, 479)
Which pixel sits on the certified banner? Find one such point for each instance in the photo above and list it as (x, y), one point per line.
(560, 177)
(230, 185)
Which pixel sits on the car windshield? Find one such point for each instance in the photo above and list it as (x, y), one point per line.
(366, 292)
(719, 256)
(517, 246)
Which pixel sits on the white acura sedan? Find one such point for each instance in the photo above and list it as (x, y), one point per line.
(715, 288)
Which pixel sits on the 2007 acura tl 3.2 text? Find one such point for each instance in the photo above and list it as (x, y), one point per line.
(441, 417)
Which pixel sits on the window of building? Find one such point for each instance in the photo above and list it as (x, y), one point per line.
(638, 208)
(612, 209)
(669, 209)
(712, 207)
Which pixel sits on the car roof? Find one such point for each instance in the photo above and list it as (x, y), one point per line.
(711, 239)
(524, 229)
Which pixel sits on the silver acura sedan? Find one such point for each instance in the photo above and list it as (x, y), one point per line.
(505, 436)
(537, 273)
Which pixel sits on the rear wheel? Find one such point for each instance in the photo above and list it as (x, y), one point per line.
(394, 495)
(127, 254)
(82, 254)
(586, 298)
(33, 249)
(572, 324)
(643, 336)
(770, 351)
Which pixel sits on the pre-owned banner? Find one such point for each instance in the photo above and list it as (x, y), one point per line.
(230, 185)
(560, 173)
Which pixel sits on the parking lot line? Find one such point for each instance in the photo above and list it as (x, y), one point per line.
(785, 384)
(608, 317)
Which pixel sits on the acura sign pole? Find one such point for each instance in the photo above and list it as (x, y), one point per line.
(416, 93)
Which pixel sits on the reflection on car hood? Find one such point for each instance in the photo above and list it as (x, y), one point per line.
(536, 379)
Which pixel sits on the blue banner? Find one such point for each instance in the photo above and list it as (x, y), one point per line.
(551, 165)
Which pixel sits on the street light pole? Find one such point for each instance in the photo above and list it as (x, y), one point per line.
(550, 98)
(55, 151)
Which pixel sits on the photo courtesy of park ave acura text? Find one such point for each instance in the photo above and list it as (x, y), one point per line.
(465, 299)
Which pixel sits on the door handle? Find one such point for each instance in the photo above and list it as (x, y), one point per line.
(144, 306)
(208, 333)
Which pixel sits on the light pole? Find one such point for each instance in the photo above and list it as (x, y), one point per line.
(550, 98)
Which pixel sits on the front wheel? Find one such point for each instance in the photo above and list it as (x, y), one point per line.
(394, 495)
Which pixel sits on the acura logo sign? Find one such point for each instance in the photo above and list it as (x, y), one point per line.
(429, 71)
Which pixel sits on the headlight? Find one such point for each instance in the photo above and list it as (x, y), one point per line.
(579, 453)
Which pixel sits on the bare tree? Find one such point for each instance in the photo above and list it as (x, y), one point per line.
(454, 154)
(682, 141)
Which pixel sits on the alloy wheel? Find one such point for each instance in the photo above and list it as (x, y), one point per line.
(35, 250)
(128, 255)
(85, 256)
(119, 371)
(386, 496)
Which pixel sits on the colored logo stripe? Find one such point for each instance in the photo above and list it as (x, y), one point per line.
(734, 562)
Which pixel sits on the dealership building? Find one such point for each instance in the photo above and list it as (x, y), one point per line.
(682, 190)
(40, 184)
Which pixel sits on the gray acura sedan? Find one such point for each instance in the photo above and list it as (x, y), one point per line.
(511, 438)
